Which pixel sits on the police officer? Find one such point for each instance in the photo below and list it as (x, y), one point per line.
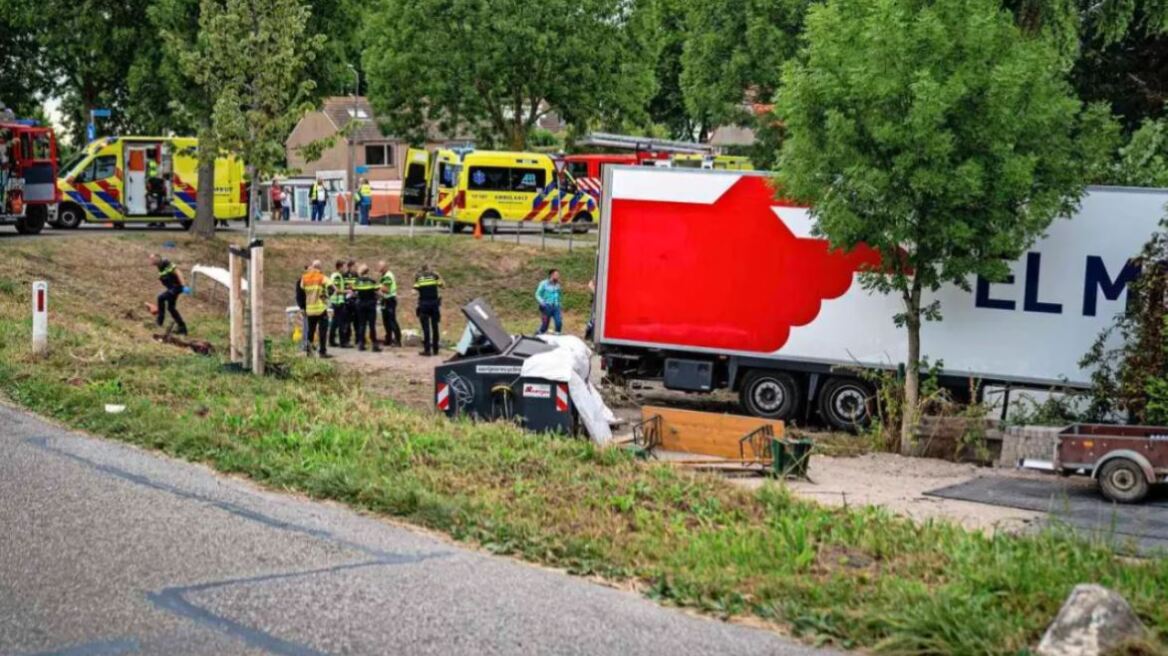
(337, 305)
(389, 305)
(426, 284)
(349, 327)
(173, 287)
(365, 290)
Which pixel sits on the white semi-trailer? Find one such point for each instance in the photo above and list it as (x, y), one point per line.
(706, 281)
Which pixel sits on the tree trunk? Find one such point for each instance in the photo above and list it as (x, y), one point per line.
(518, 138)
(205, 201)
(912, 372)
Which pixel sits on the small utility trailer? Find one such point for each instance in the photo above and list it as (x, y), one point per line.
(1126, 460)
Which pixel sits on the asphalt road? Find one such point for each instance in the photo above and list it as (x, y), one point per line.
(530, 236)
(106, 549)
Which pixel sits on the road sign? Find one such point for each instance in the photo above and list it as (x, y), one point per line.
(90, 132)
(361, 170)
(102, 113)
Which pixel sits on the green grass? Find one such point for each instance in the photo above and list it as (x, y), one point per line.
(857, 577)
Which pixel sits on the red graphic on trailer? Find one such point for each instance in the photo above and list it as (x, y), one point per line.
(729, 275)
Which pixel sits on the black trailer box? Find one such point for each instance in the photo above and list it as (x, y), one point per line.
(486, 383)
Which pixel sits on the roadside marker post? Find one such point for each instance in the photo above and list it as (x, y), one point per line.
(40, 317)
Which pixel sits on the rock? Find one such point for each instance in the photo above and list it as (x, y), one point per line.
(1092, 622)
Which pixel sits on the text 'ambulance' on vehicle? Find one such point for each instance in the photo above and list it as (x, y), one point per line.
(144, 180)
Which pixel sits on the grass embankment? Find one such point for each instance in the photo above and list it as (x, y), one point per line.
(859, 577)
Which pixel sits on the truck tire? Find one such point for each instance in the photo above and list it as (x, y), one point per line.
(70, 216)
(770, 394)
(33, 220)
(845, 404)
(1123, 481)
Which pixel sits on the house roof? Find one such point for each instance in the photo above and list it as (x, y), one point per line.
(342, 109)
(732, 135)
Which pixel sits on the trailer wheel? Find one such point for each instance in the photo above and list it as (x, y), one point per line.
(70, 216)
(770, 394)
(33, 220)
(846, 403)
(1123, 481)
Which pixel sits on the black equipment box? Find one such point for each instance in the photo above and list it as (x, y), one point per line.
(486, 383)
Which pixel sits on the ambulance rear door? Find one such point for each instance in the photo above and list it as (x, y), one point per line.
(416, 181)
(134, 177)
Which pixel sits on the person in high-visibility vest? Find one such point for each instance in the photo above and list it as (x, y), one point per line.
(154, 185)
(389, 305)
(349, 327)
(365, 200)
(426, 284)
(366, 289)
(337, 306)
(314, 286)
(173, 287)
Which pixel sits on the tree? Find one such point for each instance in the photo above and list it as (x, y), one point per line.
(22, 76)
(937, 133)
(502, 66)
(734, 52)
(249, 58)
(86, 47)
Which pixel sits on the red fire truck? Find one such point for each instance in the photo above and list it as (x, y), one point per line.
(588, 170)
(28, 175)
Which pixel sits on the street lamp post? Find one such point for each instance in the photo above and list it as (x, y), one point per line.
(349, 206)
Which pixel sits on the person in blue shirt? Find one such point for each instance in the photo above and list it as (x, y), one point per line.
(548, 296)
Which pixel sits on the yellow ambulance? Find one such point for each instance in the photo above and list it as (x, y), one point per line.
(718, 162)
(123, 180)
(500, 186)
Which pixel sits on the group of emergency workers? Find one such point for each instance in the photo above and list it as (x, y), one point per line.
(343, 307)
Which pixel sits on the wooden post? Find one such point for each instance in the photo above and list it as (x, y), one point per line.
(255, 286)
(235, 306)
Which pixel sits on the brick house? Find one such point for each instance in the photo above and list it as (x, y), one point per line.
(383, 155)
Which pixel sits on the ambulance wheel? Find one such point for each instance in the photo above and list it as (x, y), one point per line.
(582, 223)
(1123, 481)
(118, 225)
(490, 222)
(70, 216)
(846, 403)
(33, 220)
(457, 226)
(186, 224)
(770, 394)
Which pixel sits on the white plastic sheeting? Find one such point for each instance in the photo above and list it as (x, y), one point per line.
(571, 362)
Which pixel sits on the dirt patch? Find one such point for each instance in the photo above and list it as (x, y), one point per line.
(899, 484)
(401, 374)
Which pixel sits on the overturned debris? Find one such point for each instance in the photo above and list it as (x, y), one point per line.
(200, 346)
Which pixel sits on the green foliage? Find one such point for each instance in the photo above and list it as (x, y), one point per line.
(735, 49)
(1143, 162)
(937, 134)
(1132, 377)
(249, 57)
(20, 74)
(502, 66)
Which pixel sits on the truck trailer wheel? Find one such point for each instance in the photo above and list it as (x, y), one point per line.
(33, 220)
(770, 394)
(1123, 481)
(70, 216)
(846, 403)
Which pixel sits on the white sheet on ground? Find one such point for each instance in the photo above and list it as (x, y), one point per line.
(571, 362)
(218, 274)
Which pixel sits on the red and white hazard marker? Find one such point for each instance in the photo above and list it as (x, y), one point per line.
(442, 398)
(561, 398)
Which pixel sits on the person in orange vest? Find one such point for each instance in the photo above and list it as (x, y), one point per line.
(314, 287)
